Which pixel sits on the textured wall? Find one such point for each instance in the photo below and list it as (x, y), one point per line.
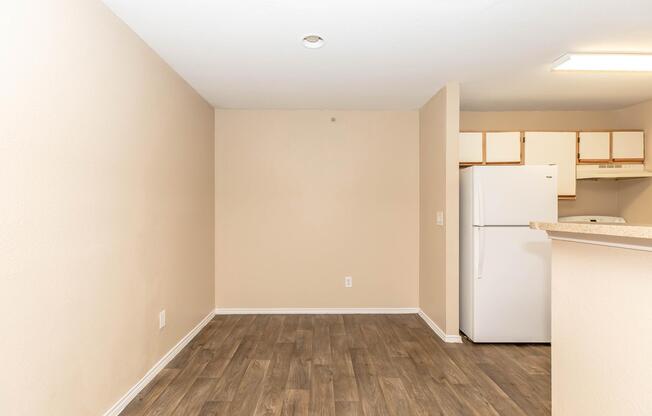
(302, 202)
(106, 213)
(439, 191)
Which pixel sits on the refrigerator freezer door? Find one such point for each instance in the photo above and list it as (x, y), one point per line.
(512, 285)
(514, 195)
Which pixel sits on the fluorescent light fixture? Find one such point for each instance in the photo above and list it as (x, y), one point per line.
(624, 62)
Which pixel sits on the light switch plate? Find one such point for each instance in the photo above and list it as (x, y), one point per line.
(440, 218)
(161, 319)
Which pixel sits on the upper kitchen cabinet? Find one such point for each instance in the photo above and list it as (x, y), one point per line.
(471, 148)
(503, 148)
(594, 147)
(628, 146)
(491, 148)
(554, 148)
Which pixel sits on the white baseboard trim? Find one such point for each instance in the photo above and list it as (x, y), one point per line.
(149, 376)
(313, 311)
(455, 339)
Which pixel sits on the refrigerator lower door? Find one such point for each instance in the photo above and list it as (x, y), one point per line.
(511, 285)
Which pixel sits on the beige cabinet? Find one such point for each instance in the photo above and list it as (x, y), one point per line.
(471, 148)
(594, 147)
(628, 146)
(503, 147)
(554, 148)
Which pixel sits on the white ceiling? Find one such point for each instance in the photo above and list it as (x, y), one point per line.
(382, 54)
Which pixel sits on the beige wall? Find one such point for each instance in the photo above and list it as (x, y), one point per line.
(302, 201)
(635, 200)
(106, 213)
(601, 329)
(593, 197)
(439, 191)
(538, 120)
(635, 196)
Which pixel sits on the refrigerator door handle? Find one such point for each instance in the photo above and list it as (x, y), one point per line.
(480, 203)
(481, 252)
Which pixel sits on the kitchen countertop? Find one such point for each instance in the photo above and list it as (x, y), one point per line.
(602, 229)
(601, 329)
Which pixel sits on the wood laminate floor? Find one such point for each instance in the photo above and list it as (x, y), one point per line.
(344, 365)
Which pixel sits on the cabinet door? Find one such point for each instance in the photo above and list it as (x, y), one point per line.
(594, 147)
(554, 148)
(628, 146)
(471, 148)
(503, 147)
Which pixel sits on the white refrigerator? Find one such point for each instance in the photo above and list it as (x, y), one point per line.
(505, 265)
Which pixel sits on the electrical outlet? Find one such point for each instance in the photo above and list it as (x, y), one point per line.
(348, 281)
(440, 218)
(161, 319)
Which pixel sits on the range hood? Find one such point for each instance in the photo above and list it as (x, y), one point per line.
(612, 171)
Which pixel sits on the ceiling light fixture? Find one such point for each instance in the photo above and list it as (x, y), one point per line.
(313, 41)
(623, 62)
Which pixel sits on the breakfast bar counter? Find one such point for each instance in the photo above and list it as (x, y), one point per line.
(601, 290)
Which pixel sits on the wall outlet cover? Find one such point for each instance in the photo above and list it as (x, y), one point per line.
(348, 281)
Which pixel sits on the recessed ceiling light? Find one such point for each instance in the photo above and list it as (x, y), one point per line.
(624, 62)
(313, 41)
